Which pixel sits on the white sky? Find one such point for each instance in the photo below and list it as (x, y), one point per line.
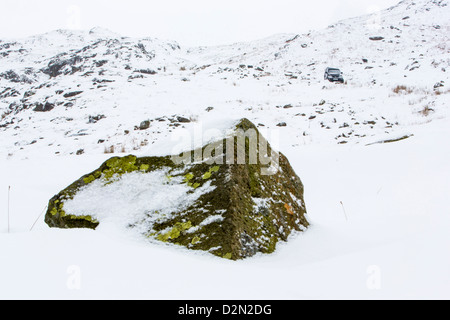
(189, 22)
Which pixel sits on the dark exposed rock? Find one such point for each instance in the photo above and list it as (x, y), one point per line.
(6, 124)
(293, 39)
(138, 76)
(378, 38)
(141, 47)
(95, 81)
(14, 77)
(95, 119)
(146, 71)
(144, 125)
(391, 140)
(9, 92)
(183, 119)
(67, 66)
(282, 124)
(16, 107)
(100, 63)
(39, 107)
(240, 210)
(72, 94)
(438, 85)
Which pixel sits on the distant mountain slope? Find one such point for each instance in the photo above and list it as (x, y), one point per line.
(67, 92)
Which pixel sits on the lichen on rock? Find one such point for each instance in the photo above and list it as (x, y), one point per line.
(233, 211)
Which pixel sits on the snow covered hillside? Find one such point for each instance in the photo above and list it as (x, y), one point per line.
(65, 91)
(71, 99)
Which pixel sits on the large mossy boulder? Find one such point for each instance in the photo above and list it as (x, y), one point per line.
(231, 209)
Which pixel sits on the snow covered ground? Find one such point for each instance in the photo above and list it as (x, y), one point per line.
(388, 240)
(379, 212)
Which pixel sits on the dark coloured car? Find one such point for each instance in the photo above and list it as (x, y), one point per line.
(334, 75)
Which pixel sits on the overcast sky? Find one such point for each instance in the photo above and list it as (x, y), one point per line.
(190, 22)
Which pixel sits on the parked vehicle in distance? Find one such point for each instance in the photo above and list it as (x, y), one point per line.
(334, 75)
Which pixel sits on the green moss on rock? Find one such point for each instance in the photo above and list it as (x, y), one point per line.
(120, 166)
(228, 256)
(175, 232)
(89, 179)
(206, 176)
